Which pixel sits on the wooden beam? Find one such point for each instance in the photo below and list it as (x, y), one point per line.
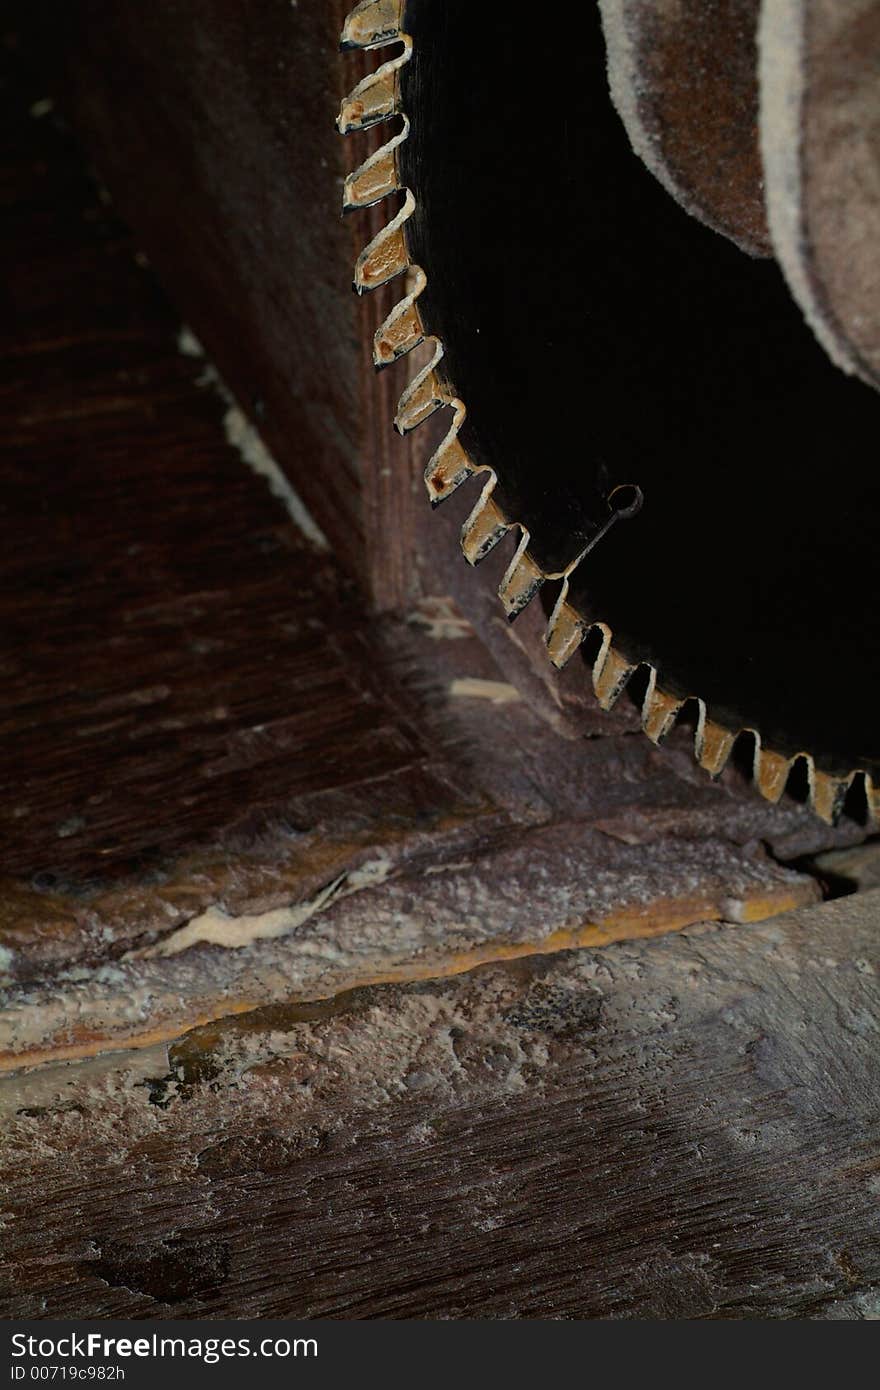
(678, 1128)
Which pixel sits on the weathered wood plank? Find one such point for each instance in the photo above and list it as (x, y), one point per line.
(685, 1127)
(420, 910)
(164, 626)
(200, 724)
(215, 132)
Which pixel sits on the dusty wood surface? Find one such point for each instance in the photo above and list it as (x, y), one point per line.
(229, 799)
(161, 616)
(216, 135)
(677, 1128)
(205, 742)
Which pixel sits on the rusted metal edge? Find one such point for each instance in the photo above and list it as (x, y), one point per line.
(376, 24)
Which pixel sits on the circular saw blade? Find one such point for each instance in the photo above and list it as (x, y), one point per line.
(645, 402)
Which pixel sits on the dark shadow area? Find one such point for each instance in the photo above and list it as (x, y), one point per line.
(601, 337)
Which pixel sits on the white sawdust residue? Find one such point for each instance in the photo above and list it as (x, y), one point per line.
(440, 619)
(216, 927)
(472, 688)
(245, 439)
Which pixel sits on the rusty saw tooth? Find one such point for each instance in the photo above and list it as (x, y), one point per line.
(611, 672)
(376, 178)
(713, 743)
(424, 394)
(376, 97)
(659, 710)
(521, 582)
(771, 771)
(565, 631)
(484, 527)
(403, 329)
(372, 23)
(828, 793)
(386, 255)
(449, 465)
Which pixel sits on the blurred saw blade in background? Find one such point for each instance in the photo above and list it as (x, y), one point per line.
(692, 478)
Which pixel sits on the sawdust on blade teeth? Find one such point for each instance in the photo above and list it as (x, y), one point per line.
(376, 24)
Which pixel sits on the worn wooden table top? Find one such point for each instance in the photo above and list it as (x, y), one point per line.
(684, 1127)
(332, 890)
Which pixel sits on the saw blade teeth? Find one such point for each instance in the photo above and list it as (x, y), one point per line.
(425, 394)
(403, 329)
(771, 771)
(375, 179)
(387, 254)
(521, 582)
(372, 23)
(565, 633)
(714, 743)
(483, 529)
(449, 466)
(610, 674)
(376, 97)
(828, 794)
(659, 710)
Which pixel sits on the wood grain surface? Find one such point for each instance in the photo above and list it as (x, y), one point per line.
(216, 135)
(161, 617)
(305, 906)
(682, 1128)
(199, 718)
